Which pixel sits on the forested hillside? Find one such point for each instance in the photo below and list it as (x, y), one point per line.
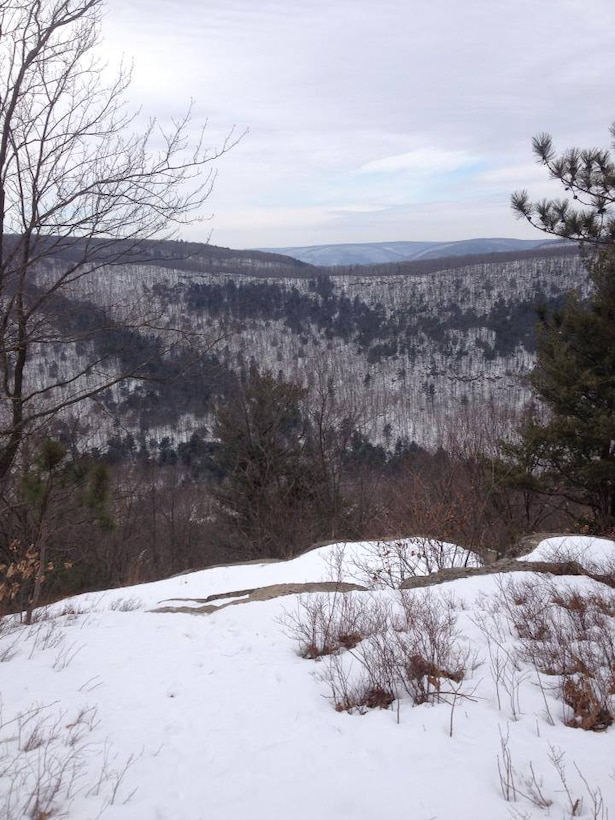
(404, 345)
(210, 405)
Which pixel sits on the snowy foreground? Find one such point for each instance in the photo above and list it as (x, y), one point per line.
(111, 710)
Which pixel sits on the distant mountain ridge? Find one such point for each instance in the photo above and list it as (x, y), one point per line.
(375, 253)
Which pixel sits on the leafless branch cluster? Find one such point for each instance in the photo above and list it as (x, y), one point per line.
(81, 187)
(568, 634)
(324, 624)
(389, 563)
(378, 653)
(579, 799)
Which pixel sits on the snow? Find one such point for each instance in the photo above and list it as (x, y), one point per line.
(216, 716)
(593, 554)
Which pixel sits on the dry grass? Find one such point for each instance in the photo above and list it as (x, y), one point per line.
(48, 759)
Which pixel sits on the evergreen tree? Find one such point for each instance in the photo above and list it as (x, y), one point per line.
(572, 452)
(588, 176)
(60, 498)
(269, 496)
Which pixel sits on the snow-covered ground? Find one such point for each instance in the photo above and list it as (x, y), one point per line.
(111, 710)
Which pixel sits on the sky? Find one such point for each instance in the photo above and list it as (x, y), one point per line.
(371, 120)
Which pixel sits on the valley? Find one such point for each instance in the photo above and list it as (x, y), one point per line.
(407, 348)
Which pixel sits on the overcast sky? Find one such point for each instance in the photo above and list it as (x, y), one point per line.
(372, 120)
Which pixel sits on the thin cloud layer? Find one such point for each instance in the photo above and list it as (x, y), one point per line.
(420, 161)
(373, 121)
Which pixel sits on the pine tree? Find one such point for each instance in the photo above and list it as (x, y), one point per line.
(270, 495)
(61, 498)
(588, 176)
(572, 452)
(284, 456)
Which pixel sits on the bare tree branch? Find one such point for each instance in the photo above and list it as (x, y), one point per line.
(80, 190)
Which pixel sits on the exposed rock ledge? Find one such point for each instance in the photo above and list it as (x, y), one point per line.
(206, 606)
(244, 596)
(507, 565)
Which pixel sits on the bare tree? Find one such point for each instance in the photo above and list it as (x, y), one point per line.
(80, 189)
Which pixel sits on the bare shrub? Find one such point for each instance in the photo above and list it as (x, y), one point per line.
(69, 609)
(414, 649)
(389, 563)
(580, 799)
(531, 788)
(65, 656)
(585, 695)
(504, 665)
(568, 634)
(337, 676)
(323, 624)
(506, 770)
(526, 604)
(44, 635)
(597, 807)
(378, 679)
(358, 682)
(429, 649)
(575, 801)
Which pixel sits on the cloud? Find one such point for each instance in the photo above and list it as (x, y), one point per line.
(421, 160)
(357, 209)
(372, 106)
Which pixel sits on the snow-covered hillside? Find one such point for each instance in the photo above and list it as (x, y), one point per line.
(406, 353)
(153, 703)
